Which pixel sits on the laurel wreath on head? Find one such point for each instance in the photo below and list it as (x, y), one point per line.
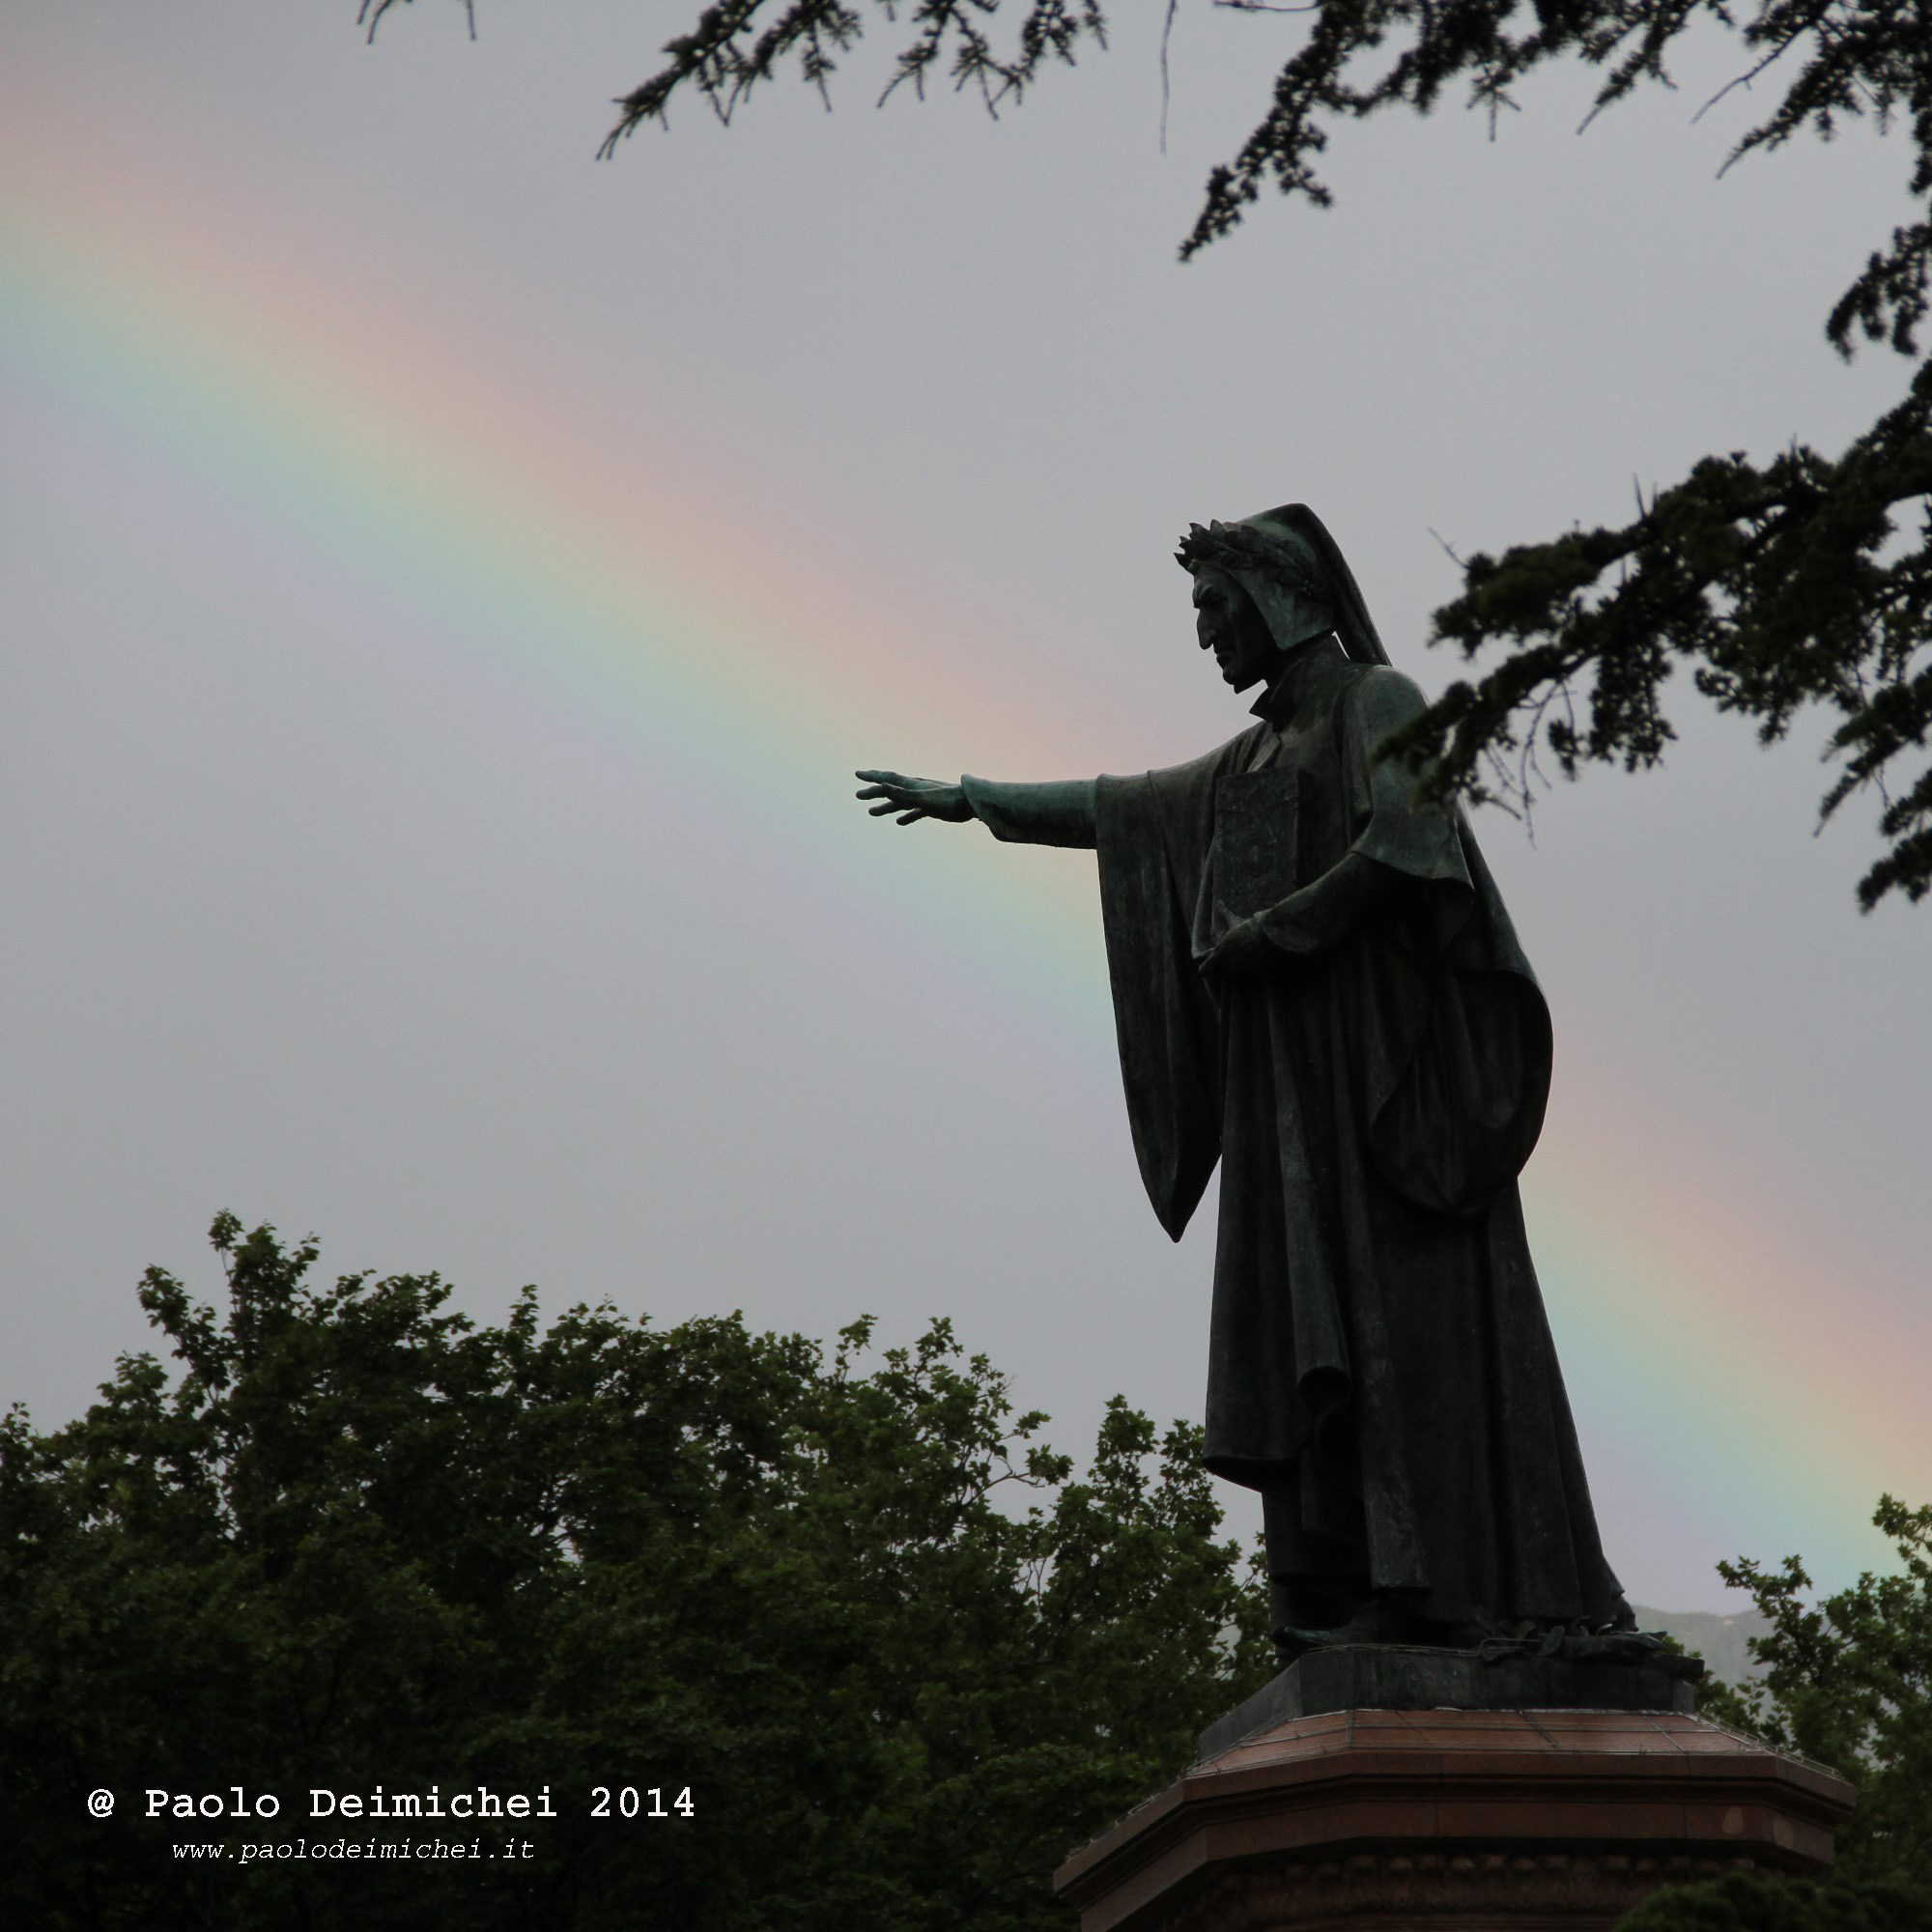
(1243, 547)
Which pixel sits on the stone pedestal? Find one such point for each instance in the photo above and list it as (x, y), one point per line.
(1415, 1677)
(1482, 1820)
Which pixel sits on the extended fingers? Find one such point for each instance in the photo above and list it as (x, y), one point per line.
(897, 794)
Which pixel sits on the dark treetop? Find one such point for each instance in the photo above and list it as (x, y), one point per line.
(1317, 985)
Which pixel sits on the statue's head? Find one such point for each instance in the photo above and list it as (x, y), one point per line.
(1267, 585)
(1227, 624)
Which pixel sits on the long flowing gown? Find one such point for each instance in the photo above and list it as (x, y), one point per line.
(1380, 1366)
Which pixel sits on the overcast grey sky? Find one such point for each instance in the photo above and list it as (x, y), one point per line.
(353, 882)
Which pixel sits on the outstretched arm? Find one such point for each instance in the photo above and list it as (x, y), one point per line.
(1057, 813)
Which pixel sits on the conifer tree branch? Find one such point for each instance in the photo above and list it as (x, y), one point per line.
(1784, 587)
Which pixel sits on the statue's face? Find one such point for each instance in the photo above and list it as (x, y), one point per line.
(1228, 624)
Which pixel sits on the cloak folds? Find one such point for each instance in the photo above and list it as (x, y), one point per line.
(1379, 1364)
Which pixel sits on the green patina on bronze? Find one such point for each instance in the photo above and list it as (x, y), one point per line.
(1317, 987)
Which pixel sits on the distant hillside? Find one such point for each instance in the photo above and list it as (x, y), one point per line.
(1719, 1640)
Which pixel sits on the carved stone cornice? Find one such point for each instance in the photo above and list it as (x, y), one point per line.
(1521, 1819)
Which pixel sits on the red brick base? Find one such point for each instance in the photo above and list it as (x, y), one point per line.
(1484, 1821)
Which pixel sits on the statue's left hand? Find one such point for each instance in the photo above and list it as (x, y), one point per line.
(914, 799)
(1244, 948)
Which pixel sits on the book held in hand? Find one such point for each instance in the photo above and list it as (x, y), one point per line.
(1254, 840)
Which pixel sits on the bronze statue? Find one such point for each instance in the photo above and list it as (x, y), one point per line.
(1315, 983)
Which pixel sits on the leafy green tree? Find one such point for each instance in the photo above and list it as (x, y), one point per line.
(354, 1540)
(1849, 1683)
(1804, 580)
(1738, 1902)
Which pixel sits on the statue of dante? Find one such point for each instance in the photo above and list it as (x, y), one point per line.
(1316, 983)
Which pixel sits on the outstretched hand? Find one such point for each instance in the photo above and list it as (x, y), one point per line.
(914, 799)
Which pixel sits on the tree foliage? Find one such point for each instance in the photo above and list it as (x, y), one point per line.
(354, 1540)
(1782, 584)
(1804, 580)
(1848, 1682)
(1740, 1902)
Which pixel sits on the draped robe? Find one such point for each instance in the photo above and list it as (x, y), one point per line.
(1379, 1366)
